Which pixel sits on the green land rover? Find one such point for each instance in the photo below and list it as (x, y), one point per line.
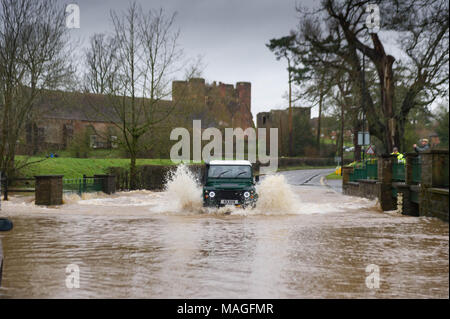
(229, 183)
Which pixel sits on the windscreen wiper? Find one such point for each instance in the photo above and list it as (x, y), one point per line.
(222, 173)
(243, 172)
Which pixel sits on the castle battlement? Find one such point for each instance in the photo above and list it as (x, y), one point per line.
(197, 91)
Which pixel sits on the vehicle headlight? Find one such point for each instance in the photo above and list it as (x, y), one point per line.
(212, 194)
(246, 194)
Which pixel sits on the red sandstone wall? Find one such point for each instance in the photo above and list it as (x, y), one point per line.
(227, 105)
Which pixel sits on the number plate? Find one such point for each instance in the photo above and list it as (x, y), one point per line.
(229, 201)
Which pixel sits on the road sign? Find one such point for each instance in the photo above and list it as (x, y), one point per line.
(363, 139)
(370, 150)
(337, 159)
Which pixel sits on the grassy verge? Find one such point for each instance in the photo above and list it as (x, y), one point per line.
(76, 167)
(333, 176)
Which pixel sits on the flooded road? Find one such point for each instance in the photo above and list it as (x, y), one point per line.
(304, 240)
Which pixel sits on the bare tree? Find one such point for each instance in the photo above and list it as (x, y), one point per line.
(101, 63)
(283, 48)
(146, 57)
(334, 35)
(33, 57)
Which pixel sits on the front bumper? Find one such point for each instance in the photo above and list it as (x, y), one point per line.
(229, 198)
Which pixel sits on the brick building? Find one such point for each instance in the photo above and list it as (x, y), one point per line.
(280, 119)
(60, 116)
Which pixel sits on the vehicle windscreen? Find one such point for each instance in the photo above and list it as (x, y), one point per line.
(230, 171)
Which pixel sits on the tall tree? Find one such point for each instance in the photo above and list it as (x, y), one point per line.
(283, 49)
(334, 35)
(101, 63)
(33, 57)
(144, 53)
(442, 125)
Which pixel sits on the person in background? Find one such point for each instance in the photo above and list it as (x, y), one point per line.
(400, 157)
(423, 147)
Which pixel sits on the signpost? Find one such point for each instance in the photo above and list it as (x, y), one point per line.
(337, 159)
(363, 138)
(370, 150)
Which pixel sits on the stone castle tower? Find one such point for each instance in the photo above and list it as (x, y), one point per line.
(222, 105)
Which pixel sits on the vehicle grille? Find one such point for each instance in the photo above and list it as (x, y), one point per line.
(228, 194)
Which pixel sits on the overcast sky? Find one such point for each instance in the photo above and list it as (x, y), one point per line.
(230, 35)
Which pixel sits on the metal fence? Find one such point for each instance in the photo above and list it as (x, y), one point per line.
(372, 170)
(82, 185)
(16, 185)
(369, 170)
(398, 172)
(365, 170)
(416, 170)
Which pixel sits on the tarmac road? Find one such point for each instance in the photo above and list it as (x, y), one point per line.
(313, 177)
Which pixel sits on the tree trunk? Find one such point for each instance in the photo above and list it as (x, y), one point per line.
(383, 64)
(357, 151)
(387, 96)
(290, 113)
(280, 140)
(133, 182)
(133, 155)
(341, 150)
(318, 121)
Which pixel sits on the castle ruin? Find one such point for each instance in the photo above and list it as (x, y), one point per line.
(62, 116)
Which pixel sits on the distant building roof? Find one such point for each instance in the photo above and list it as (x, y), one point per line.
(81, 106)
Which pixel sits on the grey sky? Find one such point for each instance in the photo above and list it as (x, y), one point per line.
(229, 34)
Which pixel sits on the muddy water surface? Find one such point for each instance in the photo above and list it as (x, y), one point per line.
(300, 242)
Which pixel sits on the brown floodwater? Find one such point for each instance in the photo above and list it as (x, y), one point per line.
(300, 242)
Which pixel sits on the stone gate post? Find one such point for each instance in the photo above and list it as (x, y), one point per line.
(49, 190)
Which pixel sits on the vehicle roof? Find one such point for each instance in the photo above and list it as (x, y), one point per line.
(229, 162)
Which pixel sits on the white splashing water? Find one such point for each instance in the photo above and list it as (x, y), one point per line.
(71, 198)
(183, 190)
(183, 194)
(276, 196)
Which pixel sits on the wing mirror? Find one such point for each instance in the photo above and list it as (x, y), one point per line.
(256, 178)
(5, 224)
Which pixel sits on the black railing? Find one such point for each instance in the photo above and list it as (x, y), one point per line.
(82, 185)
(16, 185)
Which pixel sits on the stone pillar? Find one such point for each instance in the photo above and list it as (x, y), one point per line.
(385, 182)
(434, 168)
(49, 190)
(408, 207)
(108, 183)
(385, 168)
(346, 171)
(433, 199)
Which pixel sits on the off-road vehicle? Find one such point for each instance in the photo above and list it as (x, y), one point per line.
(229, 183)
